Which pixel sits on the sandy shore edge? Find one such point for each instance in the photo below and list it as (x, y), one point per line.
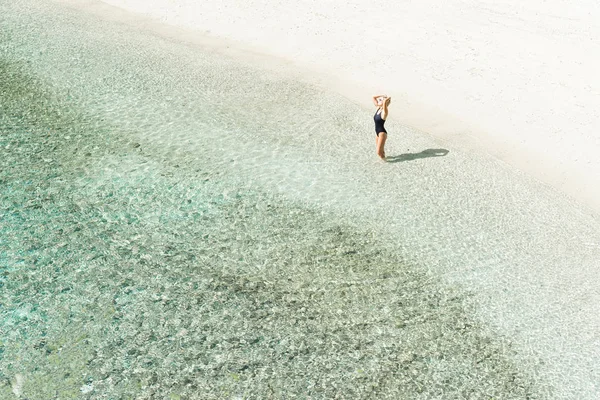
(569, 167)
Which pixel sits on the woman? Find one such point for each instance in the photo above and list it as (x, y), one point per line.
(381, 102)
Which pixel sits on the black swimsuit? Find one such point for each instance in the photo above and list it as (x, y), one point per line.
(379, 122)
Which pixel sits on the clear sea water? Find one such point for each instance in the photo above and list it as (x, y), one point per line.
(176, 223)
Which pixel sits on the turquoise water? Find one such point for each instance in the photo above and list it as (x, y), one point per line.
(179, 224)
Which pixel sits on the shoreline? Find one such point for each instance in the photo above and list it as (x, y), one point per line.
(552, 159)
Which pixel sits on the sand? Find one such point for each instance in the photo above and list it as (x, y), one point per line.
(516, 80)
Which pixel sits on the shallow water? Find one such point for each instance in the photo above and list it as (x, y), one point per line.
(178, 223)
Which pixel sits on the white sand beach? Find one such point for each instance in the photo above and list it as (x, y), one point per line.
(517, 80)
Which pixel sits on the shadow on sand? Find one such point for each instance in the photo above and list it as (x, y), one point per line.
(414, 156)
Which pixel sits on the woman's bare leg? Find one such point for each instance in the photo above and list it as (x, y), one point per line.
(380, 145)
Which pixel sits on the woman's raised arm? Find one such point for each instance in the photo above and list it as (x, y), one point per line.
(375, 99)
(386, 100)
